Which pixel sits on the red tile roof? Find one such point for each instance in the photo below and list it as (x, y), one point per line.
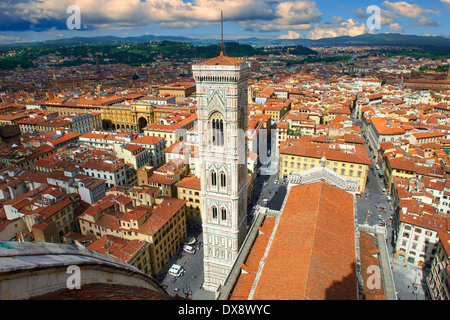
(316, 231)
(222, 60)
(318, 150)
(191, 182)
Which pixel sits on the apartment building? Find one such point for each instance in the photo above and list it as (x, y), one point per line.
(189, 189)
(172, 127)
(163, 226)
(142, 195)
(417, 233)
(187, 152)
(401, 166)
(164, 100)
(277, 108)
(420, 138)
(438, 280)
(180, 90)
(155, 147)
(383, 130)
(349, 161)
(105, 139)
(58, 138)
(45, 202)
(25, 157)
(133, 154)
(111, 169)
(166, 177)
(30, 123)
(133, 252)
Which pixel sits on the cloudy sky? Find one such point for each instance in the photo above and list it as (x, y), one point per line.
(32, 20)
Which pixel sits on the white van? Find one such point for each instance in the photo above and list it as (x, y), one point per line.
(188, 249)
(176, 270)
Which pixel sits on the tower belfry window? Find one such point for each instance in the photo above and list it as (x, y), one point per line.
(223, 212)
(213, 178)
(223, 180)
(216, 130)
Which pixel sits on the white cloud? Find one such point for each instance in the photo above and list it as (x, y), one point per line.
(12, 39)
(427, 22)
(348, 27)
(297, 13)
(289, 15)
(263, 15)
(406, 9)
(396, 27)
(387, 17)
(291, 35)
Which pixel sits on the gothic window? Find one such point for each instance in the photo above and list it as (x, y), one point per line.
(223, 180)
(214, 212)
(223, 213)
(217, 130)
(213, 178)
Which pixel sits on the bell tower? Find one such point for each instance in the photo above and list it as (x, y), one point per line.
(222, 98)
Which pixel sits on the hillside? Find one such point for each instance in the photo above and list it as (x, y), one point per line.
(383, 39)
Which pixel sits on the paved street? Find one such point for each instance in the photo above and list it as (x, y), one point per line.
(188, 285)
(374, 207)
(408, 281)
(270, 191)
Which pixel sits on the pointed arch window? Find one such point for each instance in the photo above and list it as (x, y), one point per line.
(223, 213)
(213, 178)
(217, 129)
(223, 180)
(214, 212)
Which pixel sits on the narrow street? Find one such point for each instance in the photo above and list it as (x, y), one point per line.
(374, 208)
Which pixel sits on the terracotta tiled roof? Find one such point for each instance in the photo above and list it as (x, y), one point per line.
(316, 150)
(246, 279)
(222, 60)
(191, 182)
(369, 257)
(161, 214)
(312, 254)
(147, 140)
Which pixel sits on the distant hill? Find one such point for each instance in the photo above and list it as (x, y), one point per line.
(387, 39)
(392, 39)
(93, 40)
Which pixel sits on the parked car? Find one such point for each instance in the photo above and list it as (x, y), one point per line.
(176, 270)
(189, 241)
(188, 249)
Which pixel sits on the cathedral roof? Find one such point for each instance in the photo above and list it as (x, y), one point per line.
(222, 60)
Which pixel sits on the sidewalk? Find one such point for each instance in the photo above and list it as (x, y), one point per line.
(408, 281)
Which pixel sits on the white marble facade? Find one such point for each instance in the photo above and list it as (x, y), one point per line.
(222, 90)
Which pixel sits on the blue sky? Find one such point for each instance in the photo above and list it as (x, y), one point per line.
(32, 20)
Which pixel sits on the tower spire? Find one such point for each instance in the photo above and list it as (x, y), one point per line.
(221, 30)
